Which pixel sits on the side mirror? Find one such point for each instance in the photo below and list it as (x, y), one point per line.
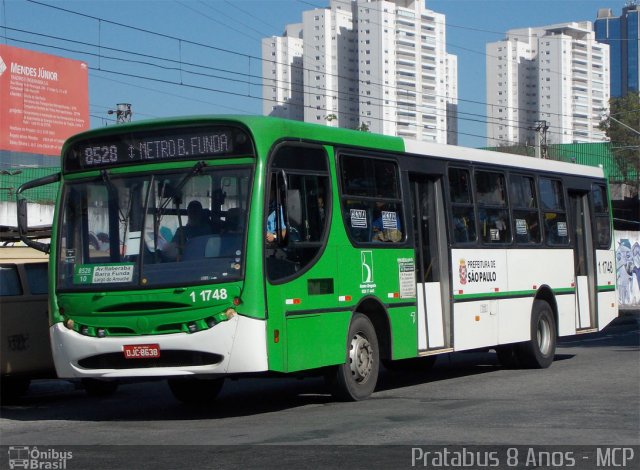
(23, 220)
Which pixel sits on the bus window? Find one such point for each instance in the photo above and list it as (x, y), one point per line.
(602, 226)
(525, 209)
(296, 217)
(554, 214)
(371, 206)
(153, 229)
(37, 278)
(462, 211)
(9, 281)
(493, 213)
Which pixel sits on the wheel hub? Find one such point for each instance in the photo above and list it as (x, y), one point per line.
(544, 336)
(360, 357)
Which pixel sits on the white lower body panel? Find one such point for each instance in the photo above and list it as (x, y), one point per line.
(241, 342)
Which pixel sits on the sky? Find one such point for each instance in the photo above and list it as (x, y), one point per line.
(190, 57)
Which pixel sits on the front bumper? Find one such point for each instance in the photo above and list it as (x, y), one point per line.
(236, 346)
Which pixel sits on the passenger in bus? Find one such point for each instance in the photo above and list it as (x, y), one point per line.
(273, 222)
(196, 225)
(386, 225)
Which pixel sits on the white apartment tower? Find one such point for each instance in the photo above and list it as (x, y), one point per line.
(282, 74)
(330, 69)
(558, 74)
(381, 64)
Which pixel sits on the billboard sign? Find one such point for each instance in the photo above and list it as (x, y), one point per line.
(44, 99)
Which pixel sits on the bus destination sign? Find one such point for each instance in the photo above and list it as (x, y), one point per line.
(136, 148)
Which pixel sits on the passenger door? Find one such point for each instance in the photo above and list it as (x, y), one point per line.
(434, 312)
(584, 260)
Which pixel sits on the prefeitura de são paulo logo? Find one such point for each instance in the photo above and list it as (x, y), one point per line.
(463, 272)
(28, 457)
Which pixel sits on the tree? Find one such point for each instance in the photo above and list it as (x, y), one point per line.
(363, 127)
(622, 126)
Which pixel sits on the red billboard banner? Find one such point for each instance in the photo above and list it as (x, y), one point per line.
(43, 100)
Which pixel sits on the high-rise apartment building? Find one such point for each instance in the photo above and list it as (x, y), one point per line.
(557, 74)
(622, 34)
(378, 64)
(282, 74)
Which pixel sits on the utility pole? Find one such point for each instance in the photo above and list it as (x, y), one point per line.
(541, 128)
(123, 113)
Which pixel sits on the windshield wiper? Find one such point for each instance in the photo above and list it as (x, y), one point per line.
(197, 168)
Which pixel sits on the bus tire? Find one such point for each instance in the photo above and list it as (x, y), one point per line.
(356, 379)
(539, 351)
(196, 391)
(414, 364)
(99, 388)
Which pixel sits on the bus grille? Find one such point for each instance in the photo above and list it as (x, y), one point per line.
(168, 358)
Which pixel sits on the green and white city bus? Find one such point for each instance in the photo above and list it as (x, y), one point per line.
(205, 247)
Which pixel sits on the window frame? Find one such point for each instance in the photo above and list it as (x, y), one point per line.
(343, 196)
(601, 215)
(513, 208)
(451, 205)
(269, 171)
(23, 289)
(564, 211)
(493, 207)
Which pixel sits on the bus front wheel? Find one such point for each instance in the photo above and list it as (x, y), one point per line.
(538, 353)
(196, 391)
(356, 379)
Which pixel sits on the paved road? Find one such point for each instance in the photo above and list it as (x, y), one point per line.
(589, 396)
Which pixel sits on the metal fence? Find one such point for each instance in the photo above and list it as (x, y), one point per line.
(596, 154)
(11, 179)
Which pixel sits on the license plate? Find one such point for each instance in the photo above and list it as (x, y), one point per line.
(141, 351)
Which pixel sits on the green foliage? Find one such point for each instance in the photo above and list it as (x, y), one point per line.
(622, 126)
(363, 127)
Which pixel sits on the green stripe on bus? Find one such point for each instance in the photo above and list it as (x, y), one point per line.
(606, 288)
(509, 294)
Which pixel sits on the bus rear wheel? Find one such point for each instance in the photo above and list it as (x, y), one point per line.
(356, 379)
(539, 351)
(196, 391)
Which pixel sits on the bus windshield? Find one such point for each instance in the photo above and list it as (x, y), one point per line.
(146, 230)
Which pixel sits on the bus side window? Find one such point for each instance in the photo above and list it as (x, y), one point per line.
(371, 204)
(493, 213)
(300, 209)
(37, 278)
(463, 222)
(556, 231)
(522, 193)
(602, 226)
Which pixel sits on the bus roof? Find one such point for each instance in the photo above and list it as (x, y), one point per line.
(266, 130)
(466, 154)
